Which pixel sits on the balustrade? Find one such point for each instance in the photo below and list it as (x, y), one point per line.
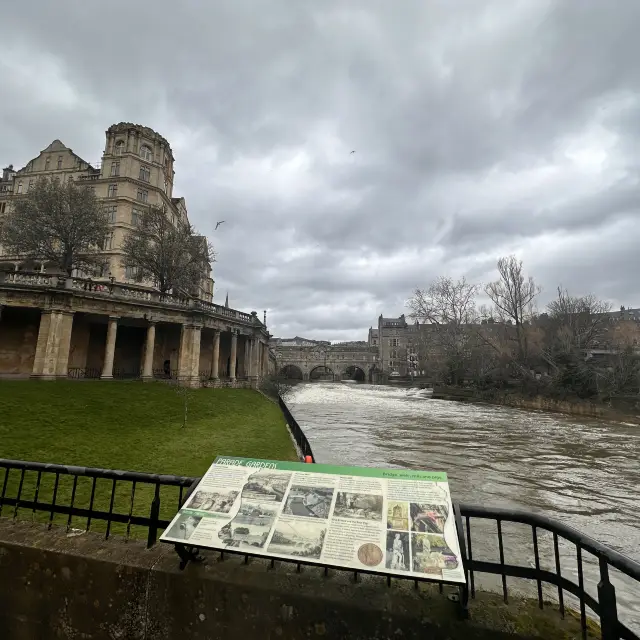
(35, 278)
(113, 289)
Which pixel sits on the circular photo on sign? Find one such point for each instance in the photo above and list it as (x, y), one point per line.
(370, 554)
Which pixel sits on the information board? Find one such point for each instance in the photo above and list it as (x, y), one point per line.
(391, 521)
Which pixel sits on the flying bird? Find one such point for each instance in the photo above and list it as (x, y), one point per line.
(218, 224)
(353, 151)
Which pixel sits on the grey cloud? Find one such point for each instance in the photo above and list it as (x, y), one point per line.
(438, 99)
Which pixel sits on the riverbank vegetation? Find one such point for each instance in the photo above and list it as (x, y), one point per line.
(493, 338)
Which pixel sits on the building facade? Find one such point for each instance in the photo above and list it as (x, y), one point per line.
(136, 172)
(55, 327)
(108, 324)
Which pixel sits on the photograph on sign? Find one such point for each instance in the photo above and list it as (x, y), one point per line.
(393, 521)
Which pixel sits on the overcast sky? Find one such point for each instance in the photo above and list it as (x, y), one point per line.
(480, 129)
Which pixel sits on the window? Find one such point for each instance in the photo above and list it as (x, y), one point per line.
(119, 147)
(166, 184)
(131, 273)
(112, 212)
(393, 342)
(108, 241)
(145, 173)
(80, 163)
(113, 191)
(136, 216)
(30, 166)
(143, 195)
(2, 206)
(115, 168)
(59, 162)
(146, 153)
(19, 187)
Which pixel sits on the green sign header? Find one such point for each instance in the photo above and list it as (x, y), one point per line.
(367, 472)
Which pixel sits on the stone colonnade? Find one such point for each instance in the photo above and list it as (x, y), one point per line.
(198, 355)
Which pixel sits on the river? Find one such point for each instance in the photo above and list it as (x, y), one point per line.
(584, 472)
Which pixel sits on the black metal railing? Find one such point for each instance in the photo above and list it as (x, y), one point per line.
(124, 503)
(141, 505)
(604, 561)
(296, 431)
(83, 373)
(163, 374)
(90, 373)
(594, 587)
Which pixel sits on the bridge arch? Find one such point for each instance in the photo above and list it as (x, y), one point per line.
(354, 372)
(291, 372)
(321, 372)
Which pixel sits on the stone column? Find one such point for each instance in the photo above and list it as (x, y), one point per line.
(54, 341)
(196, 342)
(255, 372)
(234, 355)
(147, 362)
(265, 360)
(261, 370)
(215, 358)
(64, 344)
(189, 356)
(248, 360)
(247, 351)
(110, 349)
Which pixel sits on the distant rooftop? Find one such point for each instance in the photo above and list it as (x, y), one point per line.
(297, 342)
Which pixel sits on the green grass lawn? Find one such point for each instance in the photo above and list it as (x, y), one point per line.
(131, 426)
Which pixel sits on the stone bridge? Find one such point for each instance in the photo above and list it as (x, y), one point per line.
(342, 361)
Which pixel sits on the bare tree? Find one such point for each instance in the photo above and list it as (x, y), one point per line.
(445, 302)
(576, 322)
(450, 306)
(58, 222)
(513, 299)
(276, 386)
(172, 255)
(623, 374)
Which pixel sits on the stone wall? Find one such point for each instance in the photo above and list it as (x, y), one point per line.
(57, 586)
(80, 340)
(621, 410)
(18, 338)
(572, 407)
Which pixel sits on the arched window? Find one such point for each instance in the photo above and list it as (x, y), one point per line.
(119, 150)
(146, 153)
(19, 187)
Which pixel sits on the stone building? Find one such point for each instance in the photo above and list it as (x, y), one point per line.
(110, 326)
(391, 337)
(53, 327)
(136, 171)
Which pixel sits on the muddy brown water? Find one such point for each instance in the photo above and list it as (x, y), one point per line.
(583, 472)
